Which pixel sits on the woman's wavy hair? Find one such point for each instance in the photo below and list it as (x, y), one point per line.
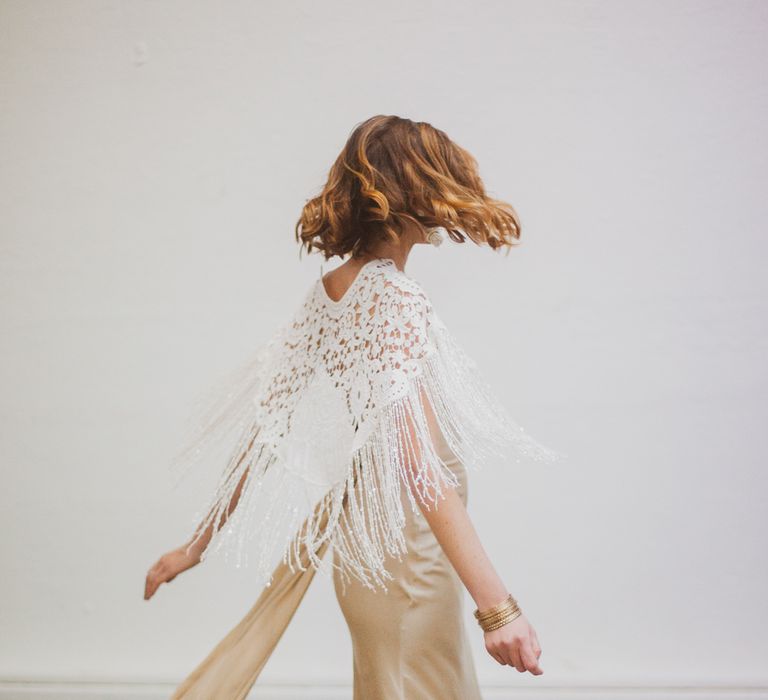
(394, 170)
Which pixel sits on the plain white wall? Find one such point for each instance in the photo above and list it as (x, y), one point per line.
(155, 157)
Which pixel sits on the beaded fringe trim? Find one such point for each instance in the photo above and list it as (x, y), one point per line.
(278, 510)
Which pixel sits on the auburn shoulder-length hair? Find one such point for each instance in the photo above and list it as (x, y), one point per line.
(392, 171)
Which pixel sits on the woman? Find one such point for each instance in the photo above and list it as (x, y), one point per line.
(354, 427)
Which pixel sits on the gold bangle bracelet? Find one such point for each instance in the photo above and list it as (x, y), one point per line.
(509, 600)
(502, 622)
(499, 615)
(501, 611)
(496, 618)
(495, 608)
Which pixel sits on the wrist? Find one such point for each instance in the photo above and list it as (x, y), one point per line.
(194, 549)
(490, 597)
(499, 615)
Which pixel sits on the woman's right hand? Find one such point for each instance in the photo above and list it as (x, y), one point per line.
(515, 644)
(167, 567)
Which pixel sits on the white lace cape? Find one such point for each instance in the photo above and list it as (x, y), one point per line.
(332, 420)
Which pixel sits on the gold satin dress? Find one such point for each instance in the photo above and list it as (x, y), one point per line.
(411, 643)
(408, 643)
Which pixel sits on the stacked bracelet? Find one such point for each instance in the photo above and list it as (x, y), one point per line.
(499, 615)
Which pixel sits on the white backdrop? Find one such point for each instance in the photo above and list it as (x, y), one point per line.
(155, 157)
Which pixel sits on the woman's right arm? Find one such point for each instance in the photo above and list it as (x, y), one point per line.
(172, 563)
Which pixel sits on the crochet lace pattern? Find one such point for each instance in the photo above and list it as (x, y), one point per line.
(333, 420)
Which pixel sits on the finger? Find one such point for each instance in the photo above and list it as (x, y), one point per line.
(495, 654)
(153, 582)
(515, 660)
(151, 587)
(149, 581)
(530, 661)
(535, 644)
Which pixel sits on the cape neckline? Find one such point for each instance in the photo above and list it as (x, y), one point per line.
(358, 277)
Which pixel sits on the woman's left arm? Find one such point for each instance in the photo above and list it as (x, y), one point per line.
(515, 643)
